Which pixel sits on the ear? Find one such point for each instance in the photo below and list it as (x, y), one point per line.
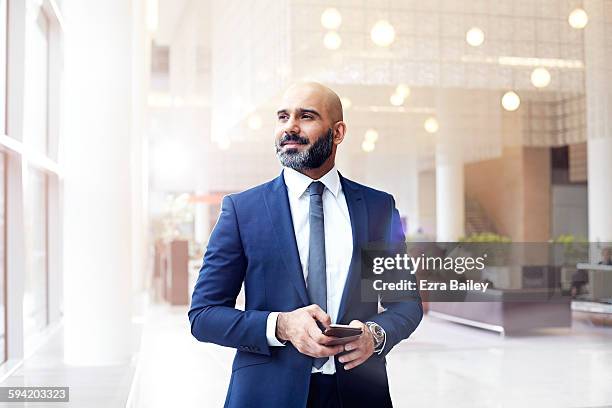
(339, 130)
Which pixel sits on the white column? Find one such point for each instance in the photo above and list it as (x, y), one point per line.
(598, 60)
(450, 196)
(600, 188)
(201, 221)
(408, 198)
(96, 154)
(395, 173)
(450, 137)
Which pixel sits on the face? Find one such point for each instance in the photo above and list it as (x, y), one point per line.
(304, 134)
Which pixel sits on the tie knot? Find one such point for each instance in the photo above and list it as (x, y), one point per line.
(316, 188)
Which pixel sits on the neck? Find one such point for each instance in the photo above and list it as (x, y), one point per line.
(319, 172)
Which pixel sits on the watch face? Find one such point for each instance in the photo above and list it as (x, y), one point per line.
(377, 333)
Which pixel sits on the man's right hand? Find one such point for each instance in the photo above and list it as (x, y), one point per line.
(301, 329)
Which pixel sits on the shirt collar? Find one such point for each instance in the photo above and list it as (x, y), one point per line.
(297, 183)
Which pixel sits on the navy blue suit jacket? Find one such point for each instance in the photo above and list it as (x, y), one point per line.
(254, 243)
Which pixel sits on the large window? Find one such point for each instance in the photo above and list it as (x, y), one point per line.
(3, 29)
(30, 247)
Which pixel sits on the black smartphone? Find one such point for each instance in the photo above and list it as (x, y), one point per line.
(343, 333)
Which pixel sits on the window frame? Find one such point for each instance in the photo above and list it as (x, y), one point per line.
(18, 158)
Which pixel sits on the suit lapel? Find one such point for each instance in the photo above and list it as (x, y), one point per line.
(359, 225)
(279, 212)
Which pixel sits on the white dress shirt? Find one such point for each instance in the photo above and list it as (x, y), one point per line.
(338, 242)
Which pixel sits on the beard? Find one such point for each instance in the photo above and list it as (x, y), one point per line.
(309, 158)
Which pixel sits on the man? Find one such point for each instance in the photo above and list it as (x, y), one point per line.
(606, 256)
(295, 244)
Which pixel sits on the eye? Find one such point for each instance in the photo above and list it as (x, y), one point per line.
(307, 116)
(283, 116)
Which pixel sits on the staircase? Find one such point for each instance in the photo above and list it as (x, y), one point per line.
(476, 219)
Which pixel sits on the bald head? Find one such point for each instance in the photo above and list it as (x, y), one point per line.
(316, 94)
(309, 127)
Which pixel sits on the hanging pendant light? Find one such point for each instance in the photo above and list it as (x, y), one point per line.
(511, 101)
(331, 19)
(383, 33)
(332, 40)
(578, 19)
(475, 37)
(540, 77)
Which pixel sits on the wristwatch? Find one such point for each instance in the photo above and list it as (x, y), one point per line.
(379, 335)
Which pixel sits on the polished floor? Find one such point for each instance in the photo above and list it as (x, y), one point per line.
(442, 365)
(90, 387)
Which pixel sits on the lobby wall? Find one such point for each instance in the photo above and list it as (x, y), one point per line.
(514, 191)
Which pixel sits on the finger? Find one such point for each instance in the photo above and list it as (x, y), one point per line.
(352, 356)
(353, 345)
(332, 350)
(314, 331)
(356, 323)
(321, 338)
(313, 348)
(359, 325)
(317, 350)
(320, 315)
(354, 363)
(325, 340)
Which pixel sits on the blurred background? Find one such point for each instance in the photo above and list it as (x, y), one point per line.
(126, 121)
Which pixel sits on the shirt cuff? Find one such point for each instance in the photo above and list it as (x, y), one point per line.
(271, 330)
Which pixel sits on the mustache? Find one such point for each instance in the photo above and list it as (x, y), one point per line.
(289, 137)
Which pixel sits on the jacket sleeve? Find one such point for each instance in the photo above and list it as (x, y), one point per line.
(212, 314)
(401, 318)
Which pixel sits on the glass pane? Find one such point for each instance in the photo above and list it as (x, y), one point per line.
(35, 296)
(36, 84)
(2, 66)
(2, 257)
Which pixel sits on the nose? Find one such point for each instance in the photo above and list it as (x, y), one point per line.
(292, 126)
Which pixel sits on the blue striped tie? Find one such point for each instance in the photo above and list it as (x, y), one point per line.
(316, 280)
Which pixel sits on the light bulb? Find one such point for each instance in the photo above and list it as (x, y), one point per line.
(396, 99)
(431, 125)
(540, 77)
(331, 19)
(511, 101)
(367, 146)
(578, 18)
(383, 33)
(475, 37)
(332, 40)
(403, 90)
(371, 135)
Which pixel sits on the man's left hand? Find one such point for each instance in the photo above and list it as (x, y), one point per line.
(359, 350)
